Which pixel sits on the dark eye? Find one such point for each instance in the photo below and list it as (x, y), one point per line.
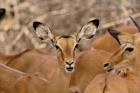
(129, 49)
(56, 46)
(77, 46)
(41, 38)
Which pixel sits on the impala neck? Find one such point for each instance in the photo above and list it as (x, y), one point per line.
(137, 65)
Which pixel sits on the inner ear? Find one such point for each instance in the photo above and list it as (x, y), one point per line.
(88, 30)
(43, 32)
(114, 34)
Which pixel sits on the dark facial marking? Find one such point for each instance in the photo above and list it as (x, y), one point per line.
(114, 33)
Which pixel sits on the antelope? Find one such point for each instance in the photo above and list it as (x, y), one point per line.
(121, 71)
(54, 68)
(125, 56)
(124, 62)
(14, 81)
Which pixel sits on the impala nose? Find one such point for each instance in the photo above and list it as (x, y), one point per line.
(69, 67)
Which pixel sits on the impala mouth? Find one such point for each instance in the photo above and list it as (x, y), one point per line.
(69, 69)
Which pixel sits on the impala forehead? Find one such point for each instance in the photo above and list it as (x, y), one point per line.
(127, 38)
(137, 39)
(66, 43)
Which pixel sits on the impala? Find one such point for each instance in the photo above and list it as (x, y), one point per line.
(124, 62)
(54, 68)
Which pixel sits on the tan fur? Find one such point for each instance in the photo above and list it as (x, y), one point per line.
(108, 43)
(121, 62)
(127, 64)
(48, 65)
(14, 81)
(113, 84)
(85, 73)
(87, 70)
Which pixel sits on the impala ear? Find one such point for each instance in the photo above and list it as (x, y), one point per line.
(43, 32)
(114, 34)
(2, 12)
(88, 30)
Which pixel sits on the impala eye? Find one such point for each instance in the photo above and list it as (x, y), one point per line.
(129, 49)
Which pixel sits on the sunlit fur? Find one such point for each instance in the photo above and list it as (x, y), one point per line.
(66, 51)
(126, 65)
(14, 81)
(111, 44)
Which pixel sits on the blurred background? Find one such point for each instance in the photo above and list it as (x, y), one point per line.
(62, 16)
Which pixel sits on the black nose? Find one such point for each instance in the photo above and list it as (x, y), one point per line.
(69, 68)
(106, 65)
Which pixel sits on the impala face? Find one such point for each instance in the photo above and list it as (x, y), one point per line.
(126, 52)
(66, 46)
(66, 50)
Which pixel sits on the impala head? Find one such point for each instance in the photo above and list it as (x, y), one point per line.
(127, 48)
(2, 12)
(66, 46)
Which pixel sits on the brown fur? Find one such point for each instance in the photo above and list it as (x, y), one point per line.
(48, 65)
(14, 81)
(87, 70)
(113, 84)
(127, 64)
(111, 44)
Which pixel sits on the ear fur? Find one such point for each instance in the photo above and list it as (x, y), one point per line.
(88, 30)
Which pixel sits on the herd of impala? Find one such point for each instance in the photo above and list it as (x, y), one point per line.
(111, 65)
